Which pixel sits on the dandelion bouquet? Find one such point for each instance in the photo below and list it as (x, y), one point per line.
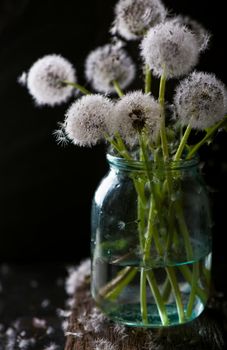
(151, 223)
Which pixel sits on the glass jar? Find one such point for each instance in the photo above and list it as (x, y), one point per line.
(151, 243)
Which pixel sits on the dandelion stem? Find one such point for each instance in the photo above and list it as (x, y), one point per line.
(158, 298)
(176, 290)
(186, 272)
(120, 284)
(194, 281)
(147, 80)
(183, 143)
(115, 286)
(118, 88)
(78, 87)
(143, 296)
(163, 129)
(207, 137)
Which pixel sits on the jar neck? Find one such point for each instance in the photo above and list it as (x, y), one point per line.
(126, 165)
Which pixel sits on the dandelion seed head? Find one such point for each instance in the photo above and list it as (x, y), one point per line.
(103, 344)
(85, 122)
(201, 100)
(202, 35)
(77, 276)
(172, 48)
(45, 80)
(134, 113)
(106, 64)
(134, 18)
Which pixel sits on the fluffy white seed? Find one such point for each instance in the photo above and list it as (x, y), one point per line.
(134, 113)
(200, 100)
(77, 276)
(134, 18)
(94, 321)
(45, 77)
(202, 35)
(52, 346)
(106, 64)
(170, 47)
(85, 122)
(103, 344)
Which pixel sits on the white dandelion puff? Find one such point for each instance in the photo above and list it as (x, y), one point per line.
(106, 64)
(200, 100)
(45, 80)
(134, 113)
(172, 48)
(77, 276)
(134, 18)
(202, 35)
(103, 344)
(86, 120)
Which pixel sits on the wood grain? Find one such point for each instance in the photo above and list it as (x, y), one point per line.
(87, 326)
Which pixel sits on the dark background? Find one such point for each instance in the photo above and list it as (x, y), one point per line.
(45, 189)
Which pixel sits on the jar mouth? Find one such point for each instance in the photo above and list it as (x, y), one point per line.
(136, 165)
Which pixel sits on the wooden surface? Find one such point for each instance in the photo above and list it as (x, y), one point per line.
(88, 329)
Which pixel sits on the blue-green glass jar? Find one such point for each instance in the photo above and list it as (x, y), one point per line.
(151, 243)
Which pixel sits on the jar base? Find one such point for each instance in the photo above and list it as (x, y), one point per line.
(130, 315)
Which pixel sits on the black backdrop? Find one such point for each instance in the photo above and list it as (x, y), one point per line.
(45, 189)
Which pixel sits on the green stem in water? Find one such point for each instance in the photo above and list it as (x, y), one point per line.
(147, 80)
(183, 143)
(184, 230)
(143, 296)
(118, 88)
(166, 290)
(194, 281)
(78, 87)
(158, 298)
(176, 291)
(207, 137)
(120, 285)
(115, 282)
(186, 272)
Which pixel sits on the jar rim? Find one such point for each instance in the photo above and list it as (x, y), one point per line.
(137, 165)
